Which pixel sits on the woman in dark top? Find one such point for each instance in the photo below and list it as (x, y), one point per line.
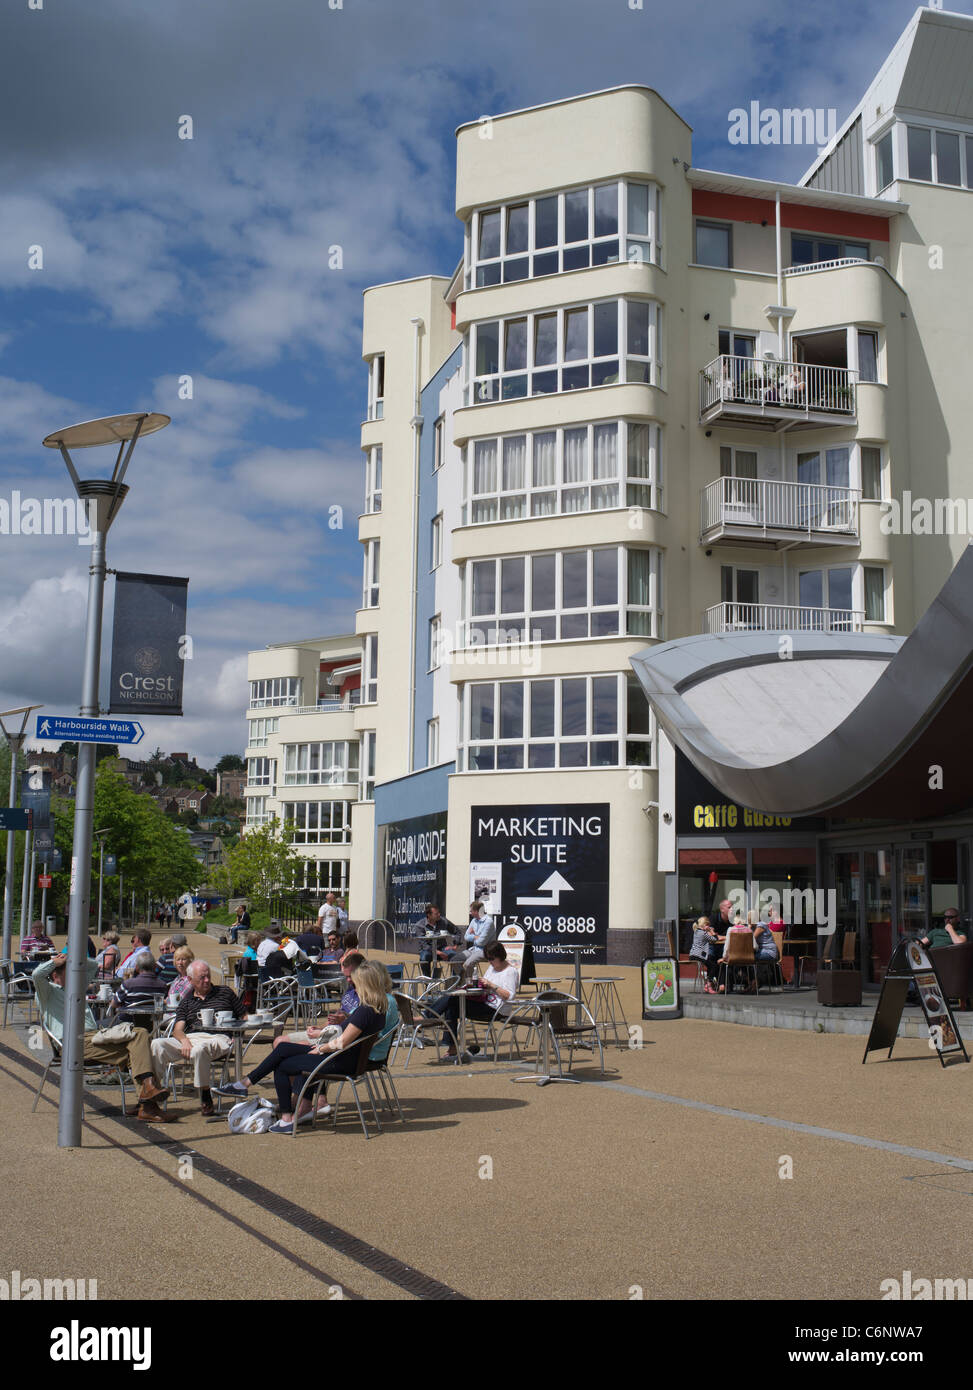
(291, 1062)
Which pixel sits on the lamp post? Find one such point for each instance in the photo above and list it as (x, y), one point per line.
(100, 837)
(16, 741)
(102, 497)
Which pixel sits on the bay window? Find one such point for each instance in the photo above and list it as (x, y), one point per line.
(376, 387)
(370, 670)
(320, 764)
(261, 772)
(282, 690)
(318, 822)
(370, 582)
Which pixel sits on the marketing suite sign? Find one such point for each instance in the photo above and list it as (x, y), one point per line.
(546, 867)
(414, 852)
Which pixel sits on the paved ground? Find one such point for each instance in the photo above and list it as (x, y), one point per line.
(665, 1179)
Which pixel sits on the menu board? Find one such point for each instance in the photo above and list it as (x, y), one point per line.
(660, 988)
(911, 964)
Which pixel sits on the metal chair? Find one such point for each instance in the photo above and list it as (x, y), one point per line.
(18, 992)
(561, 1028)
(310, 993)
(275, 991)
(825, 960)
(379, 1067)
(88, 1068)
(318, 1078)
(415, 1024)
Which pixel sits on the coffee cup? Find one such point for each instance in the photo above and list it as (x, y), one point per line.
(207, 1017)
(225, 1016)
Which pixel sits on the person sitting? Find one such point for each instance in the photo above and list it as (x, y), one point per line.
(311, 941)
(764, 946)
(254, 939)
(36, 941)
(140, 944)
(333, 953)
(706, 949)
(108, 958)
(242, 923)
(291, 1062)
(349, 944)
(49, 987)
(168, 949)
(432, 951)
(142, 982)
(182, 959)
(951, 933)
(500, 980)
(480, 934)
(189, 1039)
(270, 956)
(735, 926)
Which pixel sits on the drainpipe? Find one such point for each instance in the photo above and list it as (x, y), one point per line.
(416, 423)
(780, 281)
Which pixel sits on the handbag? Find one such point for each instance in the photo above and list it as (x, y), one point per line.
(117, 1033)
(253, 1116)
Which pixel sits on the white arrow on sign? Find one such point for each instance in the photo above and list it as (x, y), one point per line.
(557, 884)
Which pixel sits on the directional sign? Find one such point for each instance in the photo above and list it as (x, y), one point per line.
(553, 887)
(12, 818)
(88, 729)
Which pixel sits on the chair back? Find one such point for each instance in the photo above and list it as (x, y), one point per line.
(739, 949)
(848, 946)
(558, 1015)
(407, 1012)
(779, 943)
(364, 1046)
(305, 977)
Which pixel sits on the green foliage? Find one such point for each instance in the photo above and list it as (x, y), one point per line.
(230, 762)
(261, 863)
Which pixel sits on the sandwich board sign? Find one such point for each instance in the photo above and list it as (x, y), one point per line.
(910, 964)
(660, 988)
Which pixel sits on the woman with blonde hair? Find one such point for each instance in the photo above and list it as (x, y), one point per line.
(182, 958)
(291, 1062)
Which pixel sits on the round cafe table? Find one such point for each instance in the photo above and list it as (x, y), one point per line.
(542, 1074)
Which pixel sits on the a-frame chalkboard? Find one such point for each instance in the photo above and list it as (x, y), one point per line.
(908, 964)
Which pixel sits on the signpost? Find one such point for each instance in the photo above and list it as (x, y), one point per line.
(76, 728)
(910, 964)
(13, 818)
(44, 881)
(547, 868)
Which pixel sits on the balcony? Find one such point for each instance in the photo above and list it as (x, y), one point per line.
(756, 511)
(768, 394)
(773, 617)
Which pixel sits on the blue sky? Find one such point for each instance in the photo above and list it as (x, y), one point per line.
(312, 127)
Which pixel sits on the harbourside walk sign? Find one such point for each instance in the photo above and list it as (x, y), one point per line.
(85, 728)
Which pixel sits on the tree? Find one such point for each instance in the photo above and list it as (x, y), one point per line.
(260, 864)
(230, 762)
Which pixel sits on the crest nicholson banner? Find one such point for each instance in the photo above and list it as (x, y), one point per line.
(147, 650)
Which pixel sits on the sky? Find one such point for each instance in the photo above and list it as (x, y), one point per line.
(315, 124)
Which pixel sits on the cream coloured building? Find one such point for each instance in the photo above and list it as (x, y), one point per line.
(652, 401)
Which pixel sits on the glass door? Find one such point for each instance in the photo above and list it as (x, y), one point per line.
(877, 902)
(913, 914)
(847, 880)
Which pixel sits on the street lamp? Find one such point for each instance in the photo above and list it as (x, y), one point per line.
(100, 837)
(102, 498)
(16, 742)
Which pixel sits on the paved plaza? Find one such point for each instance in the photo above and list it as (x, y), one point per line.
(665, 1180)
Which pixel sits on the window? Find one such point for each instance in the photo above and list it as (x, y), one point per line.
(734, 344)
(940, 156)
(867, 356)
(367, 792)
(563, 596)
(432, 742)
(871, 459)
(739, 586)
(883, 162)
(284, 690)
(568, 349)
(828, 588)
(322, 876)
(571, 722)
(257, 813)
(318, 822)
(556, 472)
(373, 480)
(370, 584)
(572, 230)
(320, 764)
(438, 443)
(812, 250)
(370, 670)
(260, 730)
(436, 542)
(874, 594)
(435, 642)
(714, 244)
(261, 772)
(376, 387)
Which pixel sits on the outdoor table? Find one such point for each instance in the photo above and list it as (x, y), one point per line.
(236, 1030)
(430, 938)
(470, 992)
(541, 1074)
(603, 998)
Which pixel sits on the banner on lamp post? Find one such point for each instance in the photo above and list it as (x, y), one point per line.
(35, 795)
(149, 644)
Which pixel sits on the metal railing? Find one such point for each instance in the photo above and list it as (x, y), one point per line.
(387, 929)
(768, 384)
(825, 265)
(773, 617)
(767, 505)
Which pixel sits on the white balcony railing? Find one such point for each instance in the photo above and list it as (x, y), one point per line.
(771, 386)
(772, 617)
(825, 265)
(765, 505)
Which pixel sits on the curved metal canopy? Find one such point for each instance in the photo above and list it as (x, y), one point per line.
(844, 724)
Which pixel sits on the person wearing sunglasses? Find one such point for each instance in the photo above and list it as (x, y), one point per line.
(951, 933)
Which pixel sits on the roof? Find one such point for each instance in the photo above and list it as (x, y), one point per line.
(847, 724)
(581, 96)
(717, 182)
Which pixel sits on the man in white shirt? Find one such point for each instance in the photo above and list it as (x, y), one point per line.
(328, 913)
(269, 945)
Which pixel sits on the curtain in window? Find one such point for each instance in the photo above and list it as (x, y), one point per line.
(514, 462)
(874, 595)
(575, 456)
(606, 451)
(638, 451)
(640, 577)
(545, 459)
(485, 467)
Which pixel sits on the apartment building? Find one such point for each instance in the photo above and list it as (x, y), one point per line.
(302, 752)
(653, 401)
